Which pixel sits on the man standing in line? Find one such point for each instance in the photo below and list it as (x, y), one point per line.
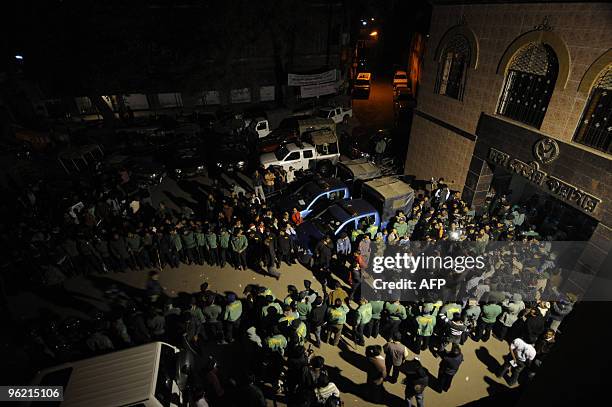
(395, 354)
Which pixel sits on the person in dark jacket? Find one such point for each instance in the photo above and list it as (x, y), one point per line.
(416, 381)
(285, 248)
(449, 365)
(316, 318)
(535, 324)
(118, 248)
(251, 395)
(323, 253)
(377, 372)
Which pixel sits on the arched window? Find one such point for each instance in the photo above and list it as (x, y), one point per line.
(529, 84)
(452, 68)
(595, 128)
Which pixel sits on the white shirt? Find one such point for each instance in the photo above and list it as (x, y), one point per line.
(523, 350)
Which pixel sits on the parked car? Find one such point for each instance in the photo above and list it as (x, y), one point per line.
(337, 113)
(227, 156)
(362, 84)
(143, 171)
(187, 160)
(344, 216)
(314, 196)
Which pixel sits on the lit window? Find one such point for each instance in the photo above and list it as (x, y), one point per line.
(595, 127)
(452, 70)
(529, 84)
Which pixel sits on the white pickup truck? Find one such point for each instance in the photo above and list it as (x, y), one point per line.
(320, 153)
(337, 113)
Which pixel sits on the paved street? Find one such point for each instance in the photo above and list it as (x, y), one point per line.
(376, 112)
(347, 365)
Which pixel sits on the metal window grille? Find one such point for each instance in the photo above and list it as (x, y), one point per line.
(529, 84)
(595, 126)
(452, 71)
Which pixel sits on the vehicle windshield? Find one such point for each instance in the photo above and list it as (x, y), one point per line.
(307, 192)
(281, 153)
(362, 82)
(323, 113)
(400, 76)
(327, 223)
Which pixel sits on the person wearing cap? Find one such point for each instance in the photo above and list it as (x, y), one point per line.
(521, 354)
(270, 303)
(511, 310)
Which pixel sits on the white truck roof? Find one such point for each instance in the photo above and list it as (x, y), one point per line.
(115, 379)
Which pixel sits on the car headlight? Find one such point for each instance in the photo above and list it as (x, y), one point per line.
(240, 164)
(219, 165)
(200, 167)
(153, 175)
(178, 170)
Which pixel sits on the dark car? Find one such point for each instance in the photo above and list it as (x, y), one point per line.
(228, 154)
(187, 161)
(143, 171)
(314, 196)
(344, 216)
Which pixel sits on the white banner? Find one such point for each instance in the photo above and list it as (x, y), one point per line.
(303, 80)
(212, 97)
(240, 95)
(266, 93)
(320, 89)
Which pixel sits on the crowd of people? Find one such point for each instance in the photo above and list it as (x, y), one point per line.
(109, 232)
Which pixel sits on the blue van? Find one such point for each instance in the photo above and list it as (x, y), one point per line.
(344, 216)
(314, 196)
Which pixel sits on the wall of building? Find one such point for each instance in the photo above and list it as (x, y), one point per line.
(582, 27)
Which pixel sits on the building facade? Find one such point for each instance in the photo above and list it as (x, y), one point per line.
(516, 97)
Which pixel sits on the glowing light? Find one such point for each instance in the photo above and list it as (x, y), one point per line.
(19, 57)
(374, 34)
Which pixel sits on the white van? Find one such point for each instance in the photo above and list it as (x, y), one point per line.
(142, 376)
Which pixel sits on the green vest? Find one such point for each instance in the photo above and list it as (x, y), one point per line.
(276, 343)
(189, 240)
(364, 314)
(490, 312)
(224, 239)
(264, 310)
(211, 240)
(233, 311)
(337, 315)
(200, 239)
(396, 311)
(426, 324)
(377, 307)
(372, 230)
